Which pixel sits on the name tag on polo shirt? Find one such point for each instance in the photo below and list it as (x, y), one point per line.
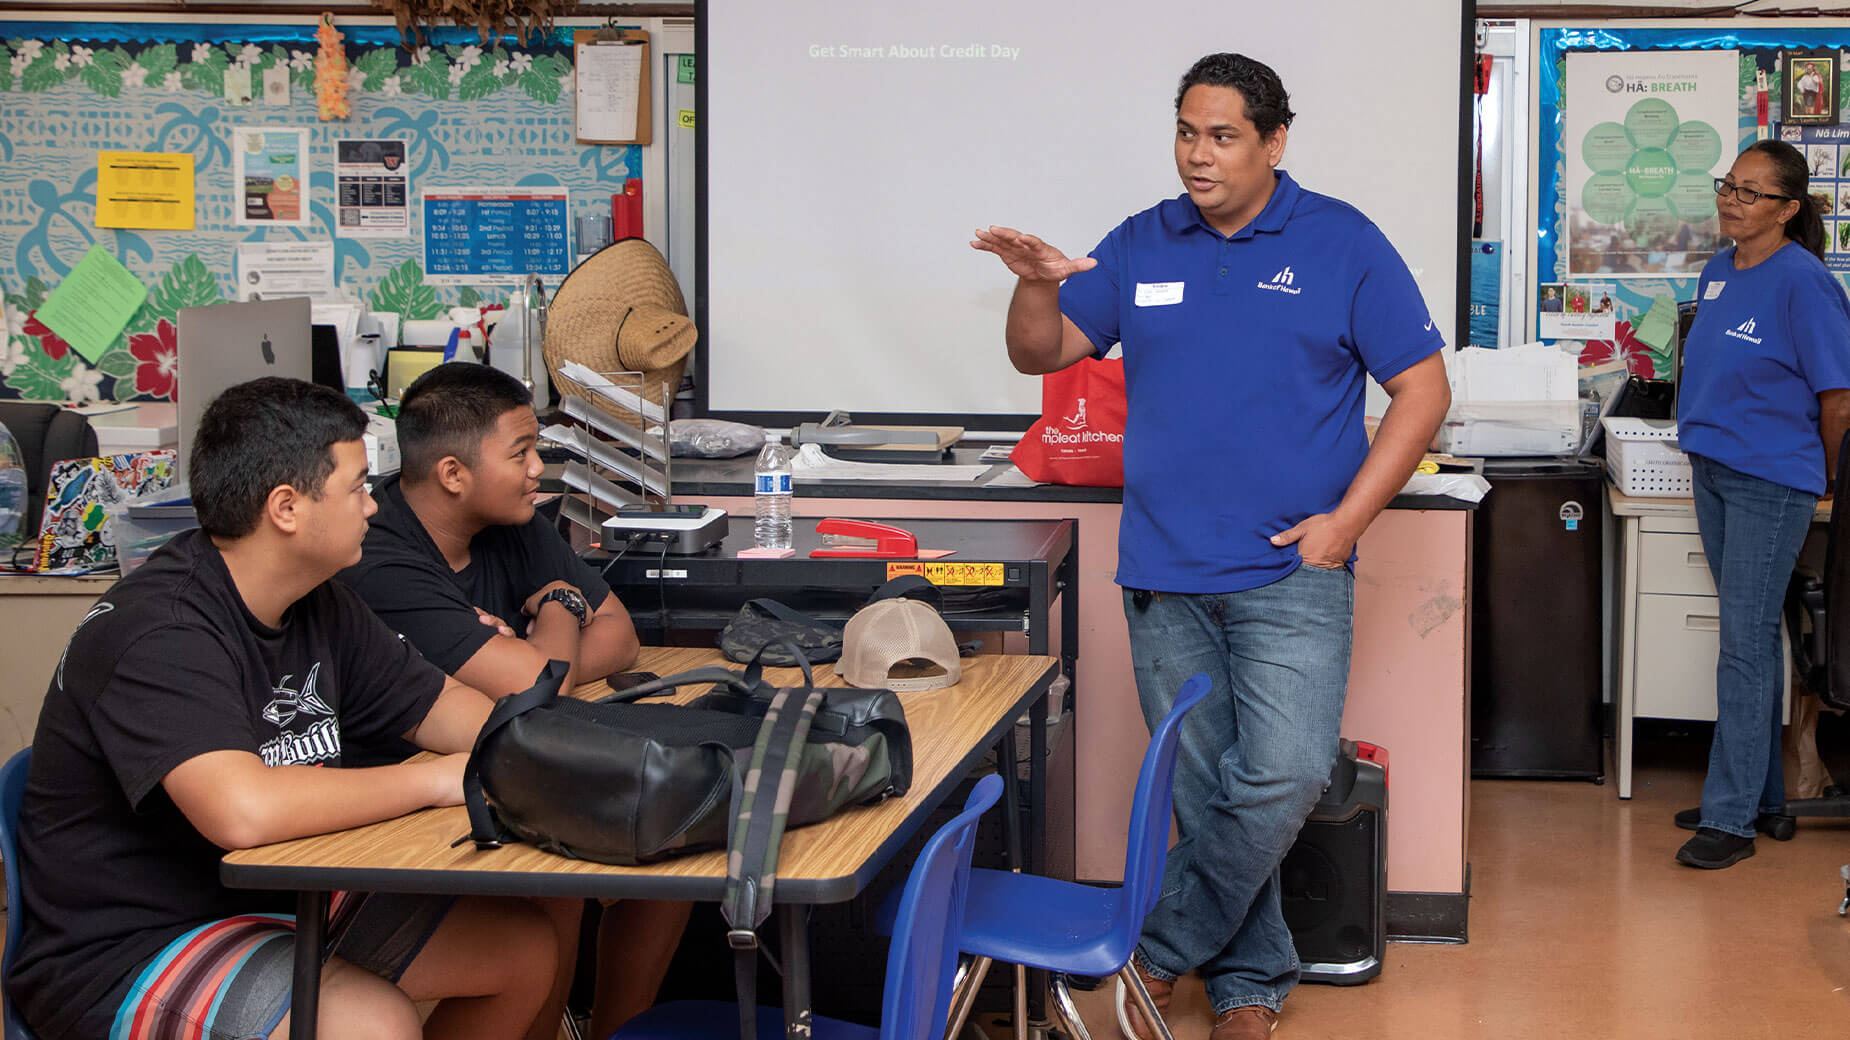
(1159, 294)
(1714, 290)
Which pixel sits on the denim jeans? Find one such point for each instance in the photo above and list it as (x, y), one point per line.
(1751, 532)
(1253, 759)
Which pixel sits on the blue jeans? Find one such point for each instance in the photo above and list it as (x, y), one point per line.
(1253, 759)
(1751, 532)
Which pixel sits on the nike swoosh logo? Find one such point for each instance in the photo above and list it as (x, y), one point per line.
(1428, 325)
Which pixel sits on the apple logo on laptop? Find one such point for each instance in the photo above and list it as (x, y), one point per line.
(269, 353)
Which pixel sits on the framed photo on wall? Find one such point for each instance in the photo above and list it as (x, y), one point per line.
(1808, 88)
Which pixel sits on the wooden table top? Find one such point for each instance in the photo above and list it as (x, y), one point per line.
(1629, 505)
(826, 862)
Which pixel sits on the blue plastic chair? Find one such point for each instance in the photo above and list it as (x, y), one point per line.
(919, 969)
(12, 792)
(1080, 929)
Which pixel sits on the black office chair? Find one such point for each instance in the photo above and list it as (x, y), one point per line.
(46, 434)
(1821, 649)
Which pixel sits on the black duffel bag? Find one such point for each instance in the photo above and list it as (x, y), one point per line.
(619, 782)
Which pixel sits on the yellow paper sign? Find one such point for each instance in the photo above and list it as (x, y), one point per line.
(144, 190)
(685, 117)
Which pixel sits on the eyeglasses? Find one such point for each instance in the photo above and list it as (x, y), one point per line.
(1748, 196)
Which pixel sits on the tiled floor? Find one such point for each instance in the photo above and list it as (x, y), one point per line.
(1583, 925)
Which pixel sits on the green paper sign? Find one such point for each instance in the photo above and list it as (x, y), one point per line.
(90, 307)
(684, 69)
(1656, 326)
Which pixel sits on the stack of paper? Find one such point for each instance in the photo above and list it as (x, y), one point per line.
(601, 385)
(1519, 401)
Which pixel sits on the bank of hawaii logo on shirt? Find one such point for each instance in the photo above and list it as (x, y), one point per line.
(320, 742)
(1281, 282)
(1745, 331)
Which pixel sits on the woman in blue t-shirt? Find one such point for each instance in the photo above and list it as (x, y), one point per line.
(1762, 410)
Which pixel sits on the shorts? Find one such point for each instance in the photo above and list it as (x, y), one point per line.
(231, 979)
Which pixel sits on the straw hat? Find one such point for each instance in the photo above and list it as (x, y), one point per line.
(620, 311)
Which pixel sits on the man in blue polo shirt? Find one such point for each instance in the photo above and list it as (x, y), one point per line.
(1250, 311)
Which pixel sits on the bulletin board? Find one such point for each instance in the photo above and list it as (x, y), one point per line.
(1761, 49)
(468, 114)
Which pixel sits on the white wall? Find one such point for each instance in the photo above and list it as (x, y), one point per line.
(842, 189)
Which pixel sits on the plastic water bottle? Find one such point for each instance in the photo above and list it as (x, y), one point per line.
(771, 494)
(13, 504)
(507, 344)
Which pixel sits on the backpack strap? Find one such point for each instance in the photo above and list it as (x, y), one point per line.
(484, 828)
(784, 612)
(753, 676)
(667, 683)
(761, 807)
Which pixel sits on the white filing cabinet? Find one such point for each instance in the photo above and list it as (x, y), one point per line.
(1669, 629)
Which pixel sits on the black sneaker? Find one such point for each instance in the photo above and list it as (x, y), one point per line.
(1711, 849)
(1777, 826)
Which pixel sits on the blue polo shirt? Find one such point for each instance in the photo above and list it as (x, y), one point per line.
(1244, 365)
(1765, 342)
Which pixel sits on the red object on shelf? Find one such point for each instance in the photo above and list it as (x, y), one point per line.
(887, 541)
(626, 211)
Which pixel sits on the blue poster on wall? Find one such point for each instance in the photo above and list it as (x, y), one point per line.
(1827, 152)
(1759, 50)
(1486, 294)
(475, 235)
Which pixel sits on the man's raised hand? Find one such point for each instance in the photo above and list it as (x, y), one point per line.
(1029, 257)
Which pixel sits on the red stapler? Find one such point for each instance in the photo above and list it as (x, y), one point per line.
(864, 538)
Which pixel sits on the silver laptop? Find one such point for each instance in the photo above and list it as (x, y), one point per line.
(231, 343)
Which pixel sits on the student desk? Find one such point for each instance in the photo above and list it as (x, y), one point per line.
(1004, 575)
(825, 863)
(1667, 618)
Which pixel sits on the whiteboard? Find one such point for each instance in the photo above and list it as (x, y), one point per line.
(849, 149)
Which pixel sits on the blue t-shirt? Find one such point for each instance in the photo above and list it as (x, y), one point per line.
(1244, 365)
(1766, 341)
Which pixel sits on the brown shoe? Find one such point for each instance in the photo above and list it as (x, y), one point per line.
(1252, 1022)
(1130, 1017)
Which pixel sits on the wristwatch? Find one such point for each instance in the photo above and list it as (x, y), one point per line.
(571, 600)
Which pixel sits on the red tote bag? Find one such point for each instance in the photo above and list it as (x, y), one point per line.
(1079, 438)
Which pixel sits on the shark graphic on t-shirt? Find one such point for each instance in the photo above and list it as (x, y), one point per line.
(320, 742)
(290, 703)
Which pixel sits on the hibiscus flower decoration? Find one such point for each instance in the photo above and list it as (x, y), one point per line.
(1623, 346)
(50, 342)
(157, 356)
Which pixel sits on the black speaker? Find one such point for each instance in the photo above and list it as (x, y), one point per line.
(1333, 882)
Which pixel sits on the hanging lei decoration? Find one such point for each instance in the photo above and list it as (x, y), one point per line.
(331, 72)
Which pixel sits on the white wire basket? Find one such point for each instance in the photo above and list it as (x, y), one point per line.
(1644, 461)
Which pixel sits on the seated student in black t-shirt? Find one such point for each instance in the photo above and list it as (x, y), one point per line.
(456, 560)
(189, 715)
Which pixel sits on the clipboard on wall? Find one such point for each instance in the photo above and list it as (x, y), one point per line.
(610, 86)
